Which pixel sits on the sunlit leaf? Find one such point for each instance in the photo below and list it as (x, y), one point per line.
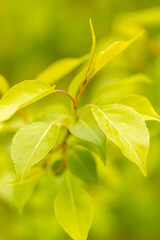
(84, 131)
(82, 164)
(4, 86)
(22, 95)
(74, 211)
(104, 57)
(142, 105)
(30, 144)
(126, 128)
(60, 69)
(93, 44)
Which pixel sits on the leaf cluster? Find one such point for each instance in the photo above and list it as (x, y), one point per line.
(70, 144)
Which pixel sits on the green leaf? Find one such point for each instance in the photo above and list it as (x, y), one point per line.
(82, 164)
(142, 105)
(132, 22)
(60, 69)
(4, 86)
(74, 211)
(145, 17)
(104, 57)
(139, 78)
(127, 129)
(87, 129)
(22, 194)
(84, 131)
(22, 95)
(100, 152)
(30, 144)
(93, 44)
(113, 89)
(73, 141)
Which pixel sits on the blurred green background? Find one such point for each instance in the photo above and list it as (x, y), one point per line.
(33, 34)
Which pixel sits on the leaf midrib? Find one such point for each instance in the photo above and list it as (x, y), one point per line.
(73, 205)
(38, 143)
(122, 136)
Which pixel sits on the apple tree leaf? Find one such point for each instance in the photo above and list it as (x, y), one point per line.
(30, 144)
(127, 129)
(60, 69)
(22, 95)
(142, 105)
(74, 211)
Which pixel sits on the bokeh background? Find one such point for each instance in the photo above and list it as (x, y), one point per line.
(34, 34)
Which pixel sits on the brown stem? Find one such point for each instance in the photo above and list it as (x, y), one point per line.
(83, 87)
(61, 91)
(62, 167)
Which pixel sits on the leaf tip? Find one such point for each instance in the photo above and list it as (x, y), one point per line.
(92, 28)
(90, 21)
(143, 171)
(138, 36)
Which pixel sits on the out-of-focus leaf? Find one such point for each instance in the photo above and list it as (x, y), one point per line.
(30, 144)
(60, 69)
(62, 135)
(82, 164)
(116, 89)
(74, 211)
(22, 194)
(133, 22)
(11, 126)
(147, 17)
(142, 105)
(22, 95)
(4, 86)
(133, 79)
(127, 129)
